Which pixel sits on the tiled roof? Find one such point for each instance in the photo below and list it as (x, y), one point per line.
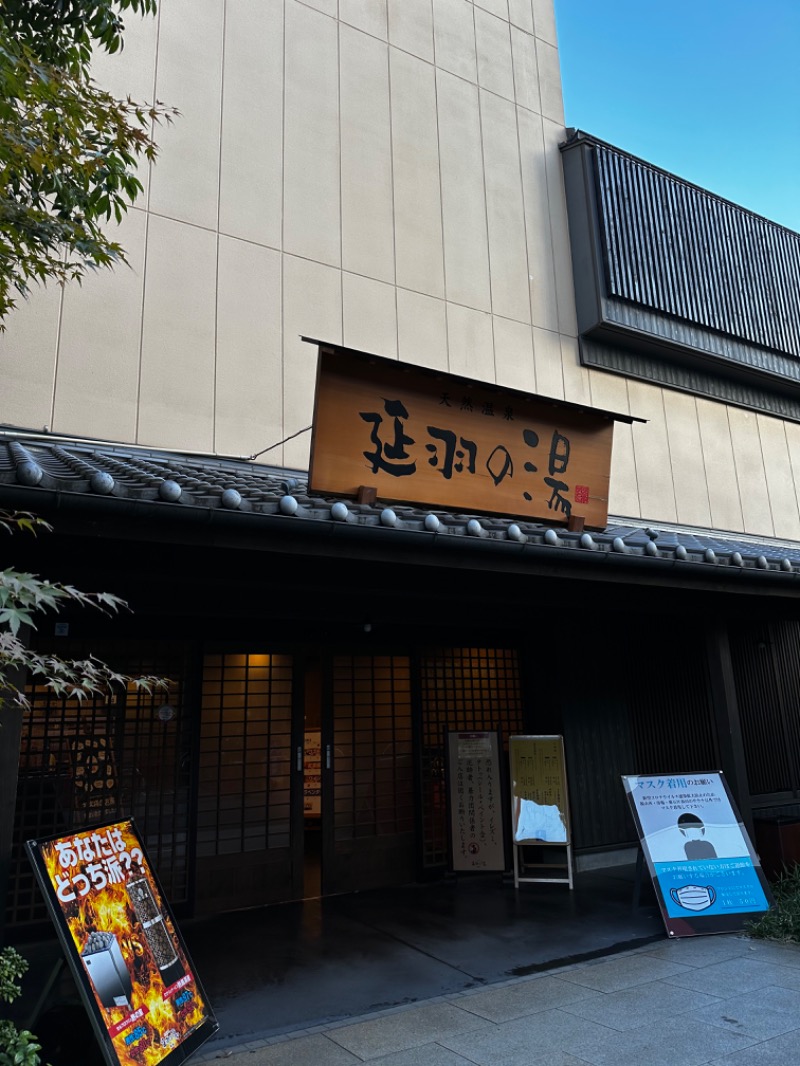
(107, 472)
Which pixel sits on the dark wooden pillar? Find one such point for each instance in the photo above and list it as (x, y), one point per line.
(10, 736)
(726, 717)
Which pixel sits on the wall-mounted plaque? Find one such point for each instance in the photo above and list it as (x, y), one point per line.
(425, 437)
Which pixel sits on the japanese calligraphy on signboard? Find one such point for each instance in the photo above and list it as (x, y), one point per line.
(539, 805)
(125, 952)
(706, 875)
(540, 810)
(425, 437)
(476, 820)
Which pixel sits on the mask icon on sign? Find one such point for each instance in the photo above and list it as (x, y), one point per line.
(694, 897)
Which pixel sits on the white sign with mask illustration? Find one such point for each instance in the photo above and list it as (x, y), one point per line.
(699, 855)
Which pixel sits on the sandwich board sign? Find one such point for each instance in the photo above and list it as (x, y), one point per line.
(539, 808)
(130, 964)
(706, 875)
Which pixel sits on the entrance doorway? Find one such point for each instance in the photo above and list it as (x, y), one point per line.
(358, 774)
(299, 798)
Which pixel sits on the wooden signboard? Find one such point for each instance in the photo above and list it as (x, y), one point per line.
(539, 807)
(475, 802)
(431, 438)
(705, 872)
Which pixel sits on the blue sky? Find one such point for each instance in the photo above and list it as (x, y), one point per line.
(707, 89)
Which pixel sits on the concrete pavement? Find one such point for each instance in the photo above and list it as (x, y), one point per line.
(717, 1000)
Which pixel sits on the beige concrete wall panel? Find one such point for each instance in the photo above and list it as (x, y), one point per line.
(652, 455)
(513, 355)
(411, 27)
(520, 13)
(549, 82)
(470, 343)
(508, 254)
(466, 252)
(750, 473)
(541, 268)
(252, 122)
(367, 210)
(370, 315)
(576, 377)
(421, 330)
(178, 337)
(793, 444)
(526, 71)
(780, 479)
(312, 307)
(609, 392)
(454, 37)
(248, 393)
(544, 21)
(132, 72)
(624, 495)
(327, 7)
(185, 183)
(312, 222)
(720, 465)
(493, 46)
(548, 361)
(686, 454)
(419, 252)
(367, 15)
(28, 350)
(559, 228)
(97, 384)
(495, 7)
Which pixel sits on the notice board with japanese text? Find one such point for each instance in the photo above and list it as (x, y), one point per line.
(120, 940)
(431, 438)
(706, 875)
(539, 801)
(475, 802)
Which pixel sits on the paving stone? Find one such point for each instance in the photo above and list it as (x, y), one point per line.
(734, 977)
(405, 1029)
(526, 997)
(701, 950)
(304, 1051)
(780, 1051)
(614, 974)
(762, 1013)
(783, 954)
(631, 1008)
(426, 1055)
(678, 1042)
(536, 1037)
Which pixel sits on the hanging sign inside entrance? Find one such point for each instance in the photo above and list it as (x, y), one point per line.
(706, 875)
(539, 806)
(122, 945)
(312, 774)
(475, 802)
(420, 436)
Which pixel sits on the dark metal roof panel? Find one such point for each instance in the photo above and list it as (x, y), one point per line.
(676, 249)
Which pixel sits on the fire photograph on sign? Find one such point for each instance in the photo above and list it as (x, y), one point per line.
(143, 998)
